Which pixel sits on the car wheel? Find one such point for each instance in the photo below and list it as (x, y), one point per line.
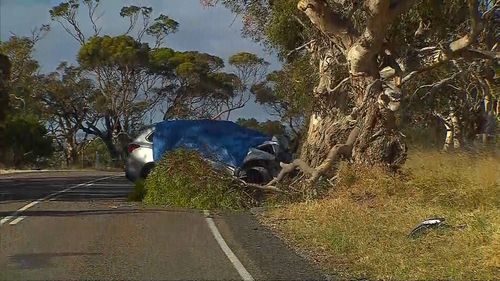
(147, 170)
(256, 174)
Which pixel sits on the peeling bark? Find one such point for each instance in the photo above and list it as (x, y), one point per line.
(377, 139)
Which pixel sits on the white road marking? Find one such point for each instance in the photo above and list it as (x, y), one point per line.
(225, 248)
(16, 214)
(18, 220)
(5, 220)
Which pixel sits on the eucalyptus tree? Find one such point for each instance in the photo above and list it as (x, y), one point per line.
(285, 94)
(122, 67)
(365, 53)
(200, 88)
(23, 136)
(67, 96)
(5, 66)
(463, 98)
(204, 90)
(24, 81)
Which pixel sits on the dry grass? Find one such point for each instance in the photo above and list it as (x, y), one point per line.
(360, 230)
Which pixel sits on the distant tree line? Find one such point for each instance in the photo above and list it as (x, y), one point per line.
(120, 84)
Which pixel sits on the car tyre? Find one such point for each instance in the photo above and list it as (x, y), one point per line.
(147, 170)
(256, 175)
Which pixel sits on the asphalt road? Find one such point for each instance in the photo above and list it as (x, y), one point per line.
(79, 225)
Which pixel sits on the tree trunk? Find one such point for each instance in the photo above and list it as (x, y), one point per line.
(368, 106)
(326, 129)
(71, 151)
(379, 141)
(448, 142)
(457, 130)
(114, 152)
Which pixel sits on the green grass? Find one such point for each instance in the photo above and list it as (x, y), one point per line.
(139, 191)
(183, 179)
(360, 229)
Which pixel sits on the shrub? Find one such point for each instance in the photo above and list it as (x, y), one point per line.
(139, 191)
(26, 141)
(184, 179)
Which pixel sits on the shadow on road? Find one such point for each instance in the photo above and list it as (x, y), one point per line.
(69, 213)
(95, 212)
(41, 260)
(30, 189)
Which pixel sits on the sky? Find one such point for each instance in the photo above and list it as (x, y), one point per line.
(210, 30)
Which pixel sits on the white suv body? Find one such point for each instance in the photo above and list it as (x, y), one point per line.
(140, 161)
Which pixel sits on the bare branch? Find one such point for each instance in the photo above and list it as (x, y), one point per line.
(261, 187)
(92, 9)
(458, 46)
(435, 86)
(301, 47)
(340, 84)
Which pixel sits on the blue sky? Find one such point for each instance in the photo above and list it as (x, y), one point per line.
(209, 30)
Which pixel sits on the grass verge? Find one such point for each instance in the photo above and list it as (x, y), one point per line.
(360, 230)
(184, 179)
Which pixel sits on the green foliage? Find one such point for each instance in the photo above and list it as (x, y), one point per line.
(160, 61)
(293, 84)
(24, 80)
(287, 93)
(283, 31)
(244, 59)
(91, 149)
(203, 63)
(250, 68)
(139, 191)
(162, 26)
(64, 9)
(183, 179)
(123, 51)
(67, 94)
(201, 84)
(130, 11)
(271, 128)
(26, 140)
(277, 23)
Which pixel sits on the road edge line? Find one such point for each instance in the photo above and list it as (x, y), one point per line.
(225, 248)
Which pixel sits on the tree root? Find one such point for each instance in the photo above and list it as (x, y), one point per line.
(337, 151)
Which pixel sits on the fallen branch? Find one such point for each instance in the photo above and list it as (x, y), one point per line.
(336, 88)
(335, 153)
(288, 168)
(262, 187)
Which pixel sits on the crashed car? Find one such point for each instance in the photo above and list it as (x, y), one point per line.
(250, 155)
(262, 163)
